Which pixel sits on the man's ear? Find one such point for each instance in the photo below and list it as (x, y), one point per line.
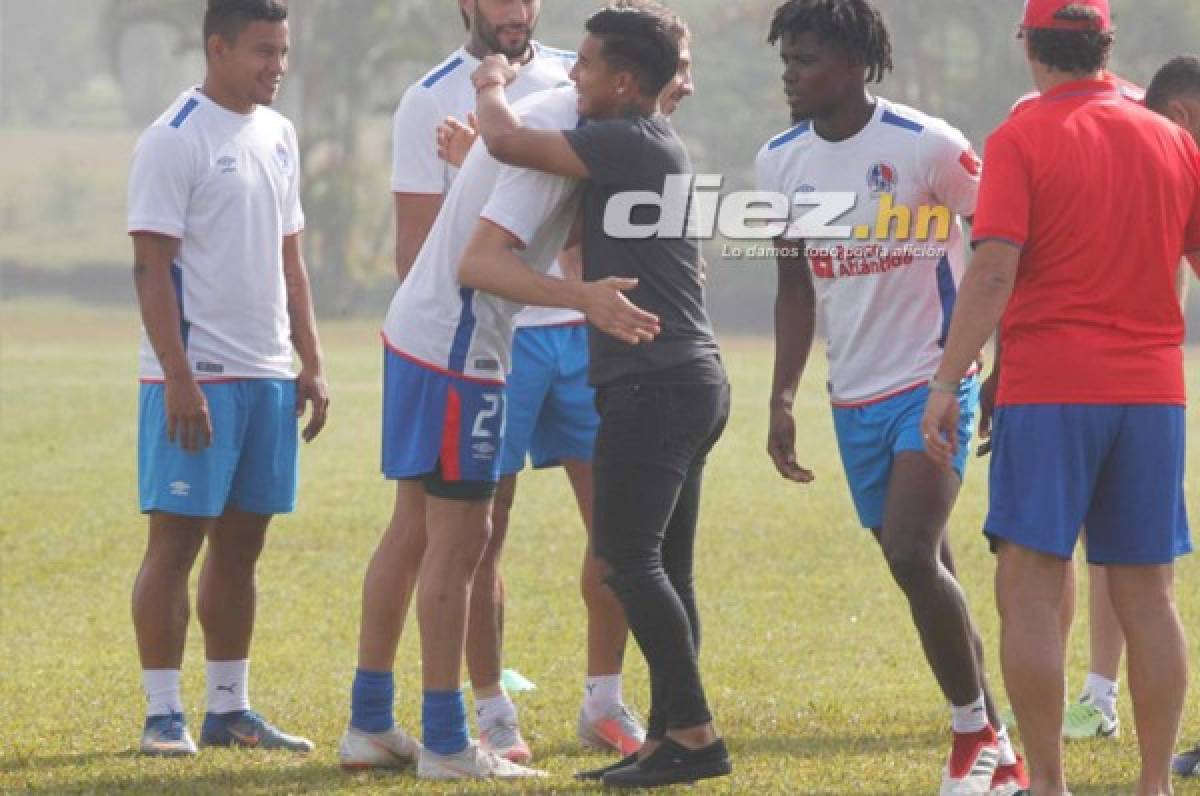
(627, 85)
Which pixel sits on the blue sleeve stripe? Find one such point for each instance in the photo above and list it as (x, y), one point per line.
(177, 282)
(948, 294)
(184, 112)
(790, 135)
(897, 120)
(437, 75)
(463, 333)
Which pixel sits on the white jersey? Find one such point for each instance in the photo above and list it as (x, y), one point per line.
(434, 319)
(885, 299)
(448, 91)
(228, 186)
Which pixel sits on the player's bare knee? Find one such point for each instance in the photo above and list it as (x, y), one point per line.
(913, 566)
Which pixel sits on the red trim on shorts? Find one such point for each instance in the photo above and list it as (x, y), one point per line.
(430, 366)
(974, 371)
(229, 380)
(451, 467)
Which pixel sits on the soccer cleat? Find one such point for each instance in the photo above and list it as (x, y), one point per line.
(616, 731)
(1010, 779)
(474, 762)
(1187, 764)
(248, 730)
(167, 736)
(504, 739)
(392, 748)
(672, 764)
(972, 764)
(1085, 720)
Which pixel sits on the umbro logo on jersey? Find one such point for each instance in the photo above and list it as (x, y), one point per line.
(180, 488)
(283, 157)
(227, 164)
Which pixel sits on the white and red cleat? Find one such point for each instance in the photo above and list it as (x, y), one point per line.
(973, 761)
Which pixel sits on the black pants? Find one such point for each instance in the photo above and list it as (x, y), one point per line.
(648, 466)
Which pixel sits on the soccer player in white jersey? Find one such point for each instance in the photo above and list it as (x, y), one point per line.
(552, 419)
(420, 181)
(885, 307)
(447, 348)
(215, 216)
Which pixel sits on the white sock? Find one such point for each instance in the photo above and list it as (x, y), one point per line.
(490, 711)
(1101, 692)
(227, 687)
(969, 718)
(1008, 755)
(600, 694)
(162, 691)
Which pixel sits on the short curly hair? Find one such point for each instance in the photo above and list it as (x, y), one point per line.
(1074, 51)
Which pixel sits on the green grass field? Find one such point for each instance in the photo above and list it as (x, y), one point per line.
(811, 663)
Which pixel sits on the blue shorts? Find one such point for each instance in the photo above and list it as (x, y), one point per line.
(250, 465)
(1118, 470)
(869, 437)
(551, 407)
(438, 422)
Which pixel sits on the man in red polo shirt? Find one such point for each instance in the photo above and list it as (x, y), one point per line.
(1088, 201)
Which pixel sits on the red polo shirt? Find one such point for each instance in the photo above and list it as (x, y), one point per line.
(1103, 198)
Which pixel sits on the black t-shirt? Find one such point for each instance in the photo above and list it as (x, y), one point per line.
(638, 154)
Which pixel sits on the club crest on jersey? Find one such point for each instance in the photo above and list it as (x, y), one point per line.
(882, 178)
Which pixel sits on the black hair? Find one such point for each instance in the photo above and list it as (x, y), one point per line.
(1074, 51)
(1180, 76)
(853, 26)
(228, 18)
(637, 40)
(676, 26)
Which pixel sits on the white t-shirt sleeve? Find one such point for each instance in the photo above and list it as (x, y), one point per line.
(416, 167)
(293, 212)
(769, 180)
(160, 182)
(952, 168)
(523, 199)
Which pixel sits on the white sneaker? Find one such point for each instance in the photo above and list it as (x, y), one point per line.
(471, 763)
(391, 749)
(616, 731)
(504, 738)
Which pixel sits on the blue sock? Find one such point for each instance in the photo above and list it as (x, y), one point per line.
(371, 701)
(444, 720)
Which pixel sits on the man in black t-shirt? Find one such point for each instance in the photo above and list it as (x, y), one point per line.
(662, 395)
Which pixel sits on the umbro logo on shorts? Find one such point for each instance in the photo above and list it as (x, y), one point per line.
(181, 488)
(484, 450)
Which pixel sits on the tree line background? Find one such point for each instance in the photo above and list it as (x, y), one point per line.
(80, 78)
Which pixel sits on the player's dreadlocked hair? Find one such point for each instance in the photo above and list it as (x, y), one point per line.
(855, 26)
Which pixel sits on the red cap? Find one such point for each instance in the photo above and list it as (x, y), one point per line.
(1039, 14)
